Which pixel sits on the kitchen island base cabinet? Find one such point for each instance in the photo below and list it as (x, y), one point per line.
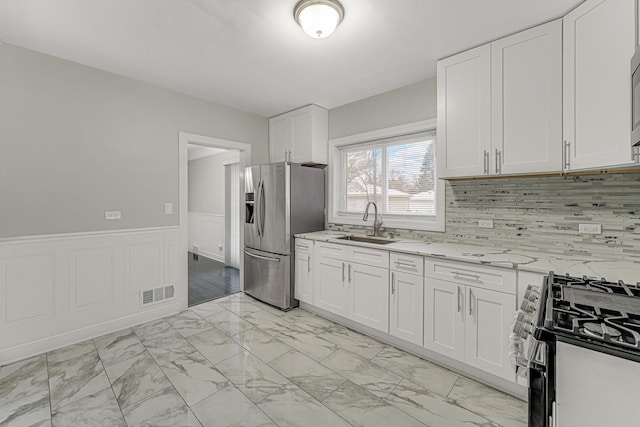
(406, 307)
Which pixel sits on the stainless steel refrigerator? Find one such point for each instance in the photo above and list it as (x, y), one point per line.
(281, 199)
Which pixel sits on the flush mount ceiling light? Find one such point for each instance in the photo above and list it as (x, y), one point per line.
(318, 18)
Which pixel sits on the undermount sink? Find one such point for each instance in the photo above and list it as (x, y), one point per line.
(374, 240)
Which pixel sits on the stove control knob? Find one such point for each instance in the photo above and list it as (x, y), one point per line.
(528, 306)
(522, 329)
(524, 318)
(532, 293)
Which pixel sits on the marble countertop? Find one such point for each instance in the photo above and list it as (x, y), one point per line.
(536, 262)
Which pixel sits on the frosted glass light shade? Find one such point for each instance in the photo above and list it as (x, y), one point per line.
(318, 18)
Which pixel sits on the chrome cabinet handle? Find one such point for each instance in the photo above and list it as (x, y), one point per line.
(459, 304)
(405, 264)
(498, 161)
(349, 273)
(309, 264)
(470, 302)
(461, 274)
(266, 258)
(343, 272)
(567, 155)
(486, 162)
(393, 283)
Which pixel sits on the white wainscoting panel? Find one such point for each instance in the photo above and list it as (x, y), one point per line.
(207, 232)
(29, 288)
(60, 289)
(91, 278)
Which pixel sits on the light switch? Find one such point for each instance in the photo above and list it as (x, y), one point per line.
(112, 215)
(168, 208)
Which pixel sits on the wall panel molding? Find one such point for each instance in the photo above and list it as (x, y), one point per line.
(57, 290)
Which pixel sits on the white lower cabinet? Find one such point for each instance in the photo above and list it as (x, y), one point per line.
(331, 293)
(444, 318)
(303, 274)
(469, 324)
(369, 296)
(406, 307)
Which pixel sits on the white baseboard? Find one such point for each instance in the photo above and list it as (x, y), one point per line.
(207, 232)
(44, 345)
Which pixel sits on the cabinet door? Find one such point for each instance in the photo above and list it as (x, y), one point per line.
(444, 317)
(279, 137)
(301, 145)
(488, 319)
(369, 296)
(330, 292)
(464, 113)
(599, 38)
(304, 278)
(406, 307)
(526, 101)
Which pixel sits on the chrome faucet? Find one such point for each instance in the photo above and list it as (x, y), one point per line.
(377, 222)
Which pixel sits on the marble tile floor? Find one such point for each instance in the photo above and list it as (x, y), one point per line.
(238, 362)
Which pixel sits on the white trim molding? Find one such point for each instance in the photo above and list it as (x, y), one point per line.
(333, 185)
(59, 289)
(184, 139)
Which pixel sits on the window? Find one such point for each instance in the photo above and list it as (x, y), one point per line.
(396, 172)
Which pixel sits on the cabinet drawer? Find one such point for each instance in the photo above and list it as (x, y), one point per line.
(494, 278)
(413, 264)
(374, 257)
(332, 250)
(304, 246)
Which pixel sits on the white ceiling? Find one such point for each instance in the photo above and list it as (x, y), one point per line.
(251, 55)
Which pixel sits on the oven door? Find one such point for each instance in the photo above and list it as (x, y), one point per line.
(595, 389)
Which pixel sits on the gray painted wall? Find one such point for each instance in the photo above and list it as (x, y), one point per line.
(76, 141)
(207, 183)
(407, 104)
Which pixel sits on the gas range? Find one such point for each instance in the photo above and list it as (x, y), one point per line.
(596, 313)
(582, 334)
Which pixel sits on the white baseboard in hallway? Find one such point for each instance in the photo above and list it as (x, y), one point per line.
(207, 233)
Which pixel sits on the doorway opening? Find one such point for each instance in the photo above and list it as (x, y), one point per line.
(211, 181)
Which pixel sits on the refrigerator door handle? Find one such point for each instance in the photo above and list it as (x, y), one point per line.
(262, 208)
(257, 208)
(266, 258)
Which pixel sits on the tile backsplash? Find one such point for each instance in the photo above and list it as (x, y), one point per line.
(542, 214)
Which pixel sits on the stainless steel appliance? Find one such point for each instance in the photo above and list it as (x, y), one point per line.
(583, 361)
(281, 199)
(635, 103)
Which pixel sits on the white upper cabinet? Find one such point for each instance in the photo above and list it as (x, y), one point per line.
(464, 113)
(500, 106)
(526, 101)
(599, 39)
(299, 136)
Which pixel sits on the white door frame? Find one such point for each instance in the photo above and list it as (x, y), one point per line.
(185, 139)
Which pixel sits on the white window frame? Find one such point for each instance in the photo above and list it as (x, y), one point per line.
(334, 174)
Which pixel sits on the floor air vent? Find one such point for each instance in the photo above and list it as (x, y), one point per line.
(156, 295)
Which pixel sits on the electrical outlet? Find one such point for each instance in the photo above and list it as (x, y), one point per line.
(168, 208)
(485, 223)
(112, 215)
(590, 228)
